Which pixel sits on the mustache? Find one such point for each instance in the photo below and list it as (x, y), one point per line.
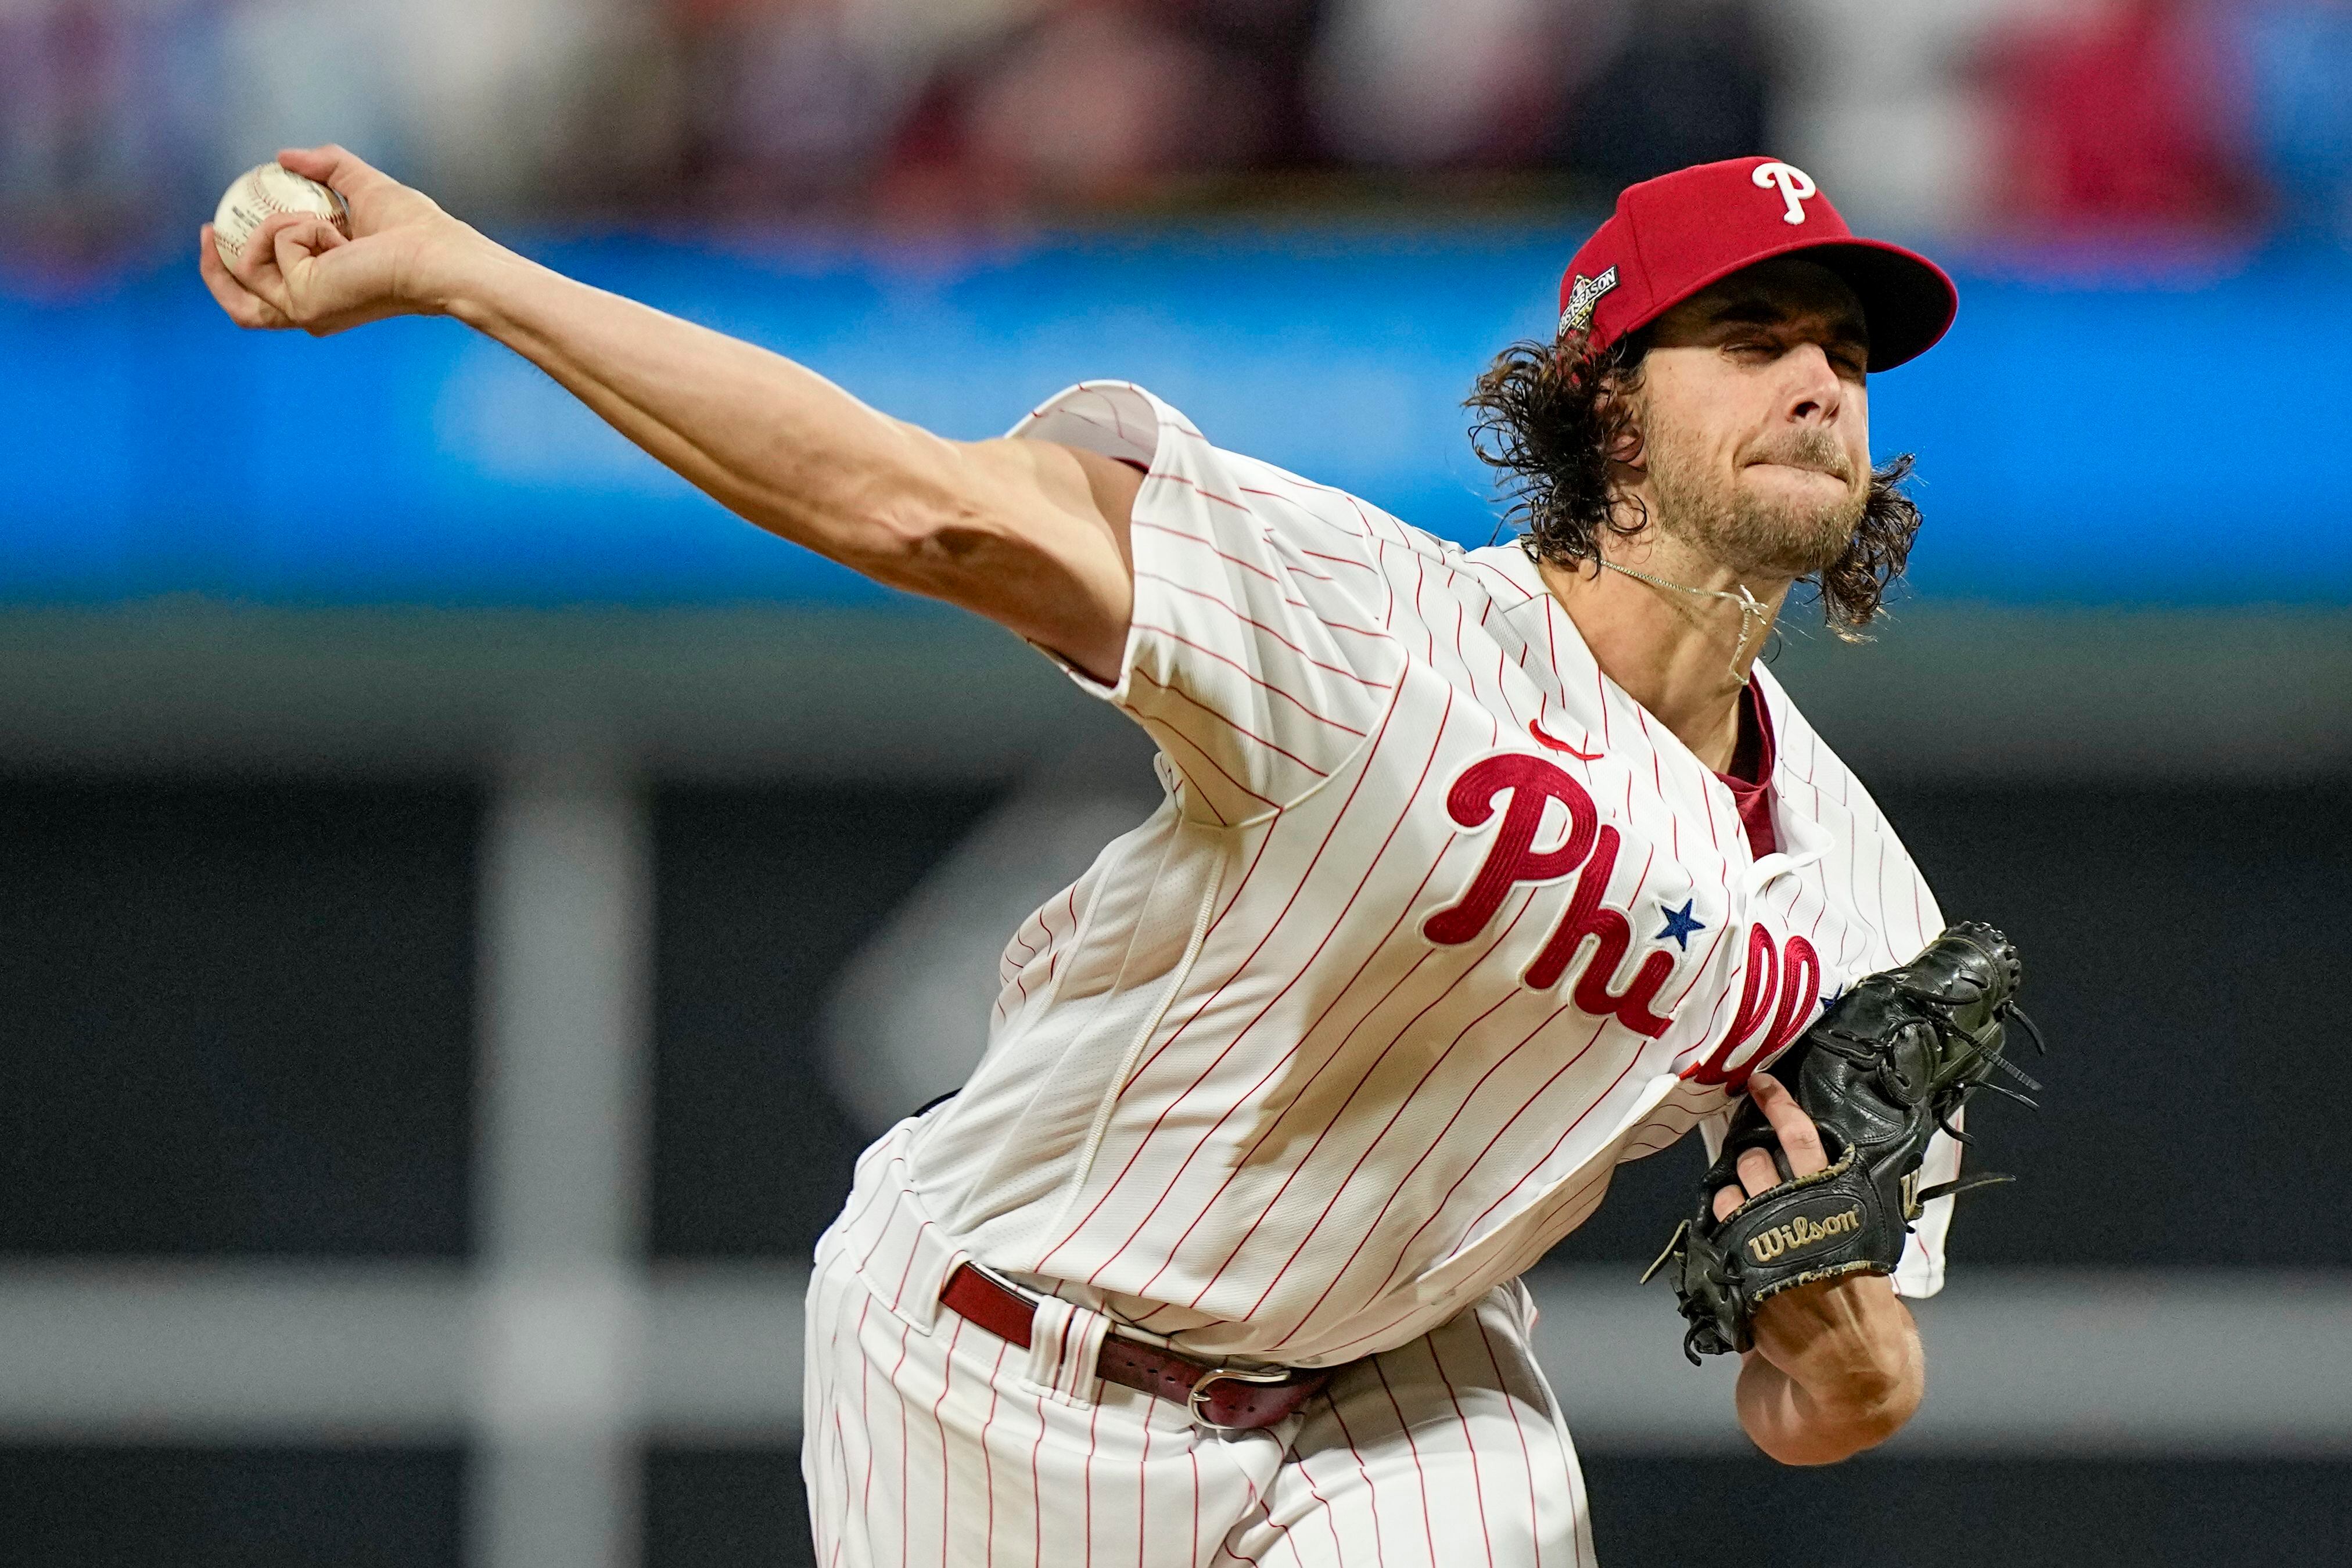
(1814, 449)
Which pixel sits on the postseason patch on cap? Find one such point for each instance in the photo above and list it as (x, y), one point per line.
(1583, 295)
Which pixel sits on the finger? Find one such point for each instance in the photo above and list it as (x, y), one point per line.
(336, 168)
(258, 264)
(254, 262)
(302, 240)
(1728, 1198)
(1757, 1172)
(244, 307)
(1801, 1141)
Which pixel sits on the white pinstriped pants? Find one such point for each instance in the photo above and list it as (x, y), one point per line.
(929, 1440)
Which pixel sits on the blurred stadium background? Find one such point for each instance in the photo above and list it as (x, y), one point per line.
(464, 900)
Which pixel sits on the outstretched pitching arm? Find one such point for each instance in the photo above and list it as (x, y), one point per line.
(1032, 535)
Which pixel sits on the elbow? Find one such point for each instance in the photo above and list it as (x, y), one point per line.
(1797, 1425)
(1832, 1433)
(1863, 1428)
(920, 548)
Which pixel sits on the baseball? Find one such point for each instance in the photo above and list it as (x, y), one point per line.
(268, 189)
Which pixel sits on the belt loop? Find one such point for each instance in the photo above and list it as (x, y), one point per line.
(1065, 1342)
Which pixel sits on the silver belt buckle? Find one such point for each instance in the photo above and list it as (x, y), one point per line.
(1228, 1375)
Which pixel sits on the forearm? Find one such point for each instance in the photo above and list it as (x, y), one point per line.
(1841, 1375)
(772, 441)
(1029, 533)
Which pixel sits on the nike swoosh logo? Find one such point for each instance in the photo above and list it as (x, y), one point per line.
(1558, 744)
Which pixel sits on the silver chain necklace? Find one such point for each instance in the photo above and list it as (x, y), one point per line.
(1751, 609)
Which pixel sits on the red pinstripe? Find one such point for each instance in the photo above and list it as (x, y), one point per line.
(1194, 486)
(1598, 1101)
(1420, 580)
(1283, 1531)
(1244, 730)
(1194, 1455)
(947, 1378)
(1037, 1492)
(1471, 1166)
(1213, 656)
(1290, 903)
(1088, 1471)
(1437, 1209)
(1142, 1492)
(1402, 1035)
(1192, 538)
(1256, 624)
(1472, 1229)
(841, 1446)
(1337, 1052)
(912, 1243)
(1211, 760)
(1358, 534)
(1420, 1474)
(896, 1368)
(1307, 1474)
(1340, 559)
(987, 1457)
(1303, 1035)
(840, 1439)
(1526, 1455)
(1600, 681)
(1470, 1444)
(1372, 1494)
(1155, 1056)
(865, 1420)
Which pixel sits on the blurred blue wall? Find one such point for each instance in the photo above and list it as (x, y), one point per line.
(2171, 435)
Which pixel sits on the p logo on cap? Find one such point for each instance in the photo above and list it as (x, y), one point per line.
(1672, 236)
(1795, 186)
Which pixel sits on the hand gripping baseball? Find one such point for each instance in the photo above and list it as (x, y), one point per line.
(1830, 1176)
(296, 270)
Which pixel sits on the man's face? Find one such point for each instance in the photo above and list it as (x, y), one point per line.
(1755, 420)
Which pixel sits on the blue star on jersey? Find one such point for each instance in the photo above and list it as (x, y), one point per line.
(1679, 925)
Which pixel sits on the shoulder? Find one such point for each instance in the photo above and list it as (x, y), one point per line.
(1812, 781)
(1113, 419)
(1320, 523)
(1807, 771)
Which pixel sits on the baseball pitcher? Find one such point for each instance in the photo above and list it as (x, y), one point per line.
(1479, 871)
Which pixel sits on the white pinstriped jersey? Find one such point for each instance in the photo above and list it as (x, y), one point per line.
(1435, 926)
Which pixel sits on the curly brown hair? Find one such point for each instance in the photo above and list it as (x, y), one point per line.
(1555, 418)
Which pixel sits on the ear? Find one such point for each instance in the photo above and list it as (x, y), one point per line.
(1620, 412)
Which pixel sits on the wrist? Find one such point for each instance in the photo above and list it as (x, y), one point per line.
(1870, 1382)
(463, 274)
(1838, 1368)
(1860, 1335)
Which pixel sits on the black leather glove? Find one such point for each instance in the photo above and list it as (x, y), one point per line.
(1893, 1062)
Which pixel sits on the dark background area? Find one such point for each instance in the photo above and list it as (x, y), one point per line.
(712, 1507)
(265, 990)
(237, 1022)
(236, 1017)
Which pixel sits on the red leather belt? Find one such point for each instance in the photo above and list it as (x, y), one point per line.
(1237, 1399)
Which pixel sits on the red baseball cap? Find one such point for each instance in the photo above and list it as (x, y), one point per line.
(1675, 235)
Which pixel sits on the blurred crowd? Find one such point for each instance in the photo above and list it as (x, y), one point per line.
(120, 120)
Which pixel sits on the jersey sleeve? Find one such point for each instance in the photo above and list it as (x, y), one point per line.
(1920, 1274)
(1258, 657)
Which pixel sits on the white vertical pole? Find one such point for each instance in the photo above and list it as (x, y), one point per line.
(565, 921)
